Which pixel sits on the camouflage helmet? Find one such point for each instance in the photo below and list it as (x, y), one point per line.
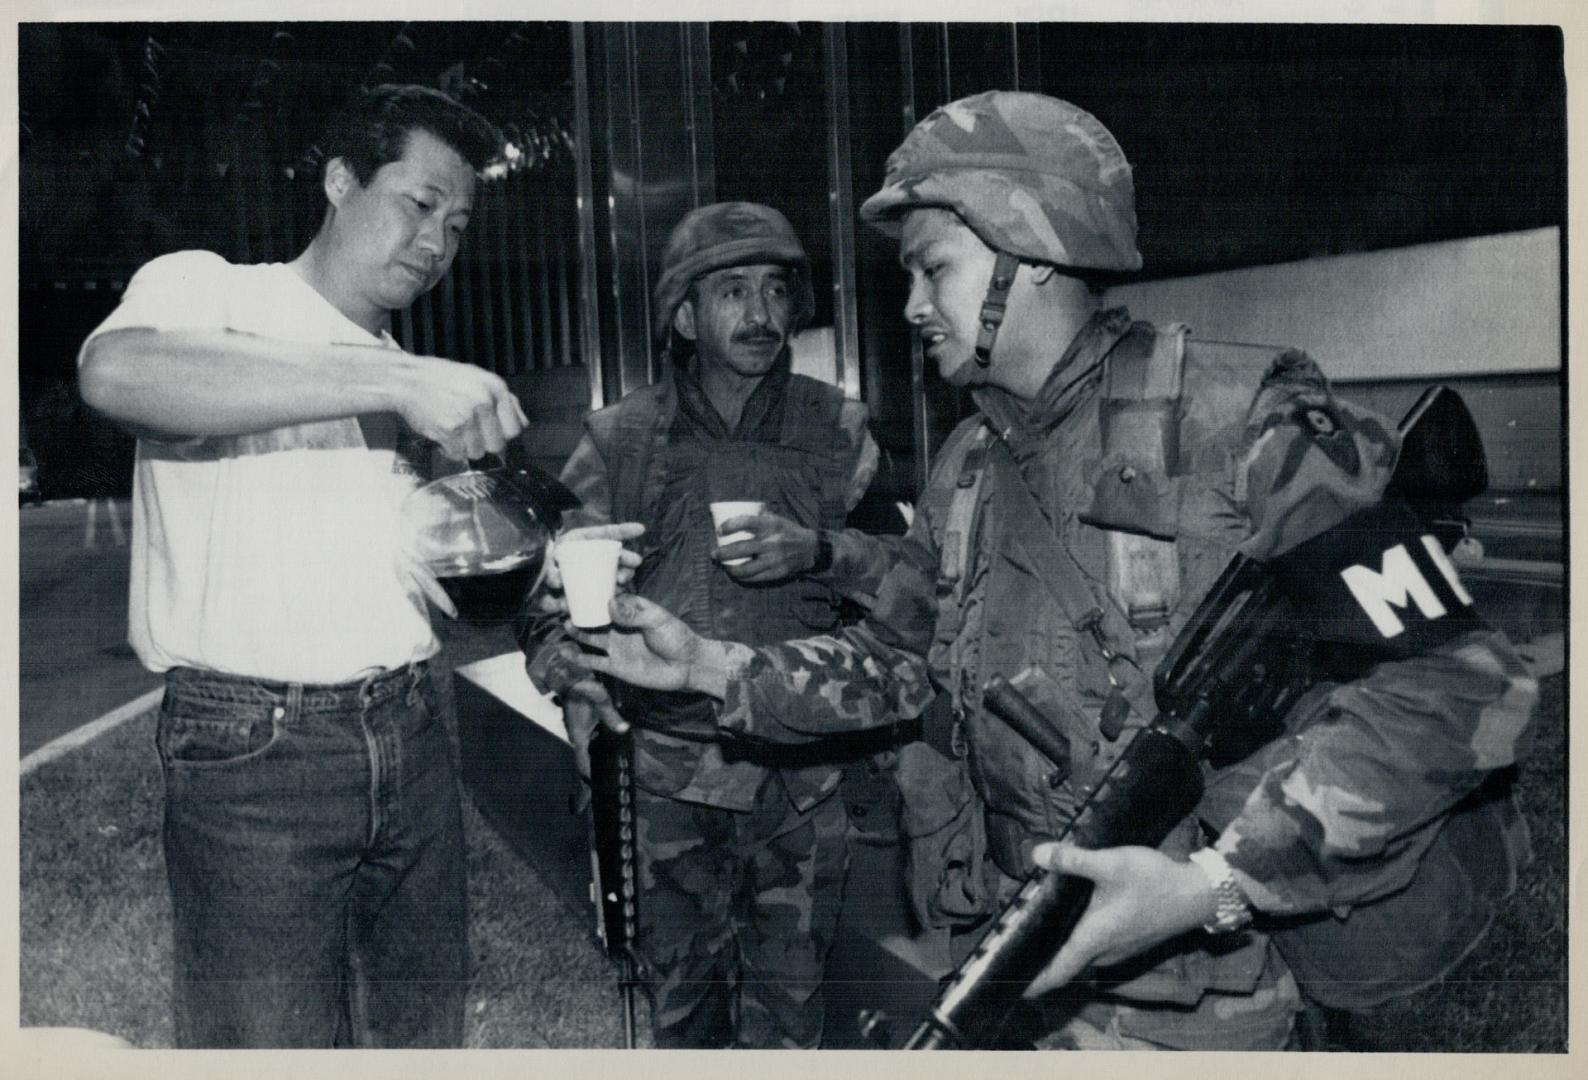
(1031, 175)
(1310, 460)
(720, 235)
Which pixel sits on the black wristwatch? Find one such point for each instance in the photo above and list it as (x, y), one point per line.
(824, 553)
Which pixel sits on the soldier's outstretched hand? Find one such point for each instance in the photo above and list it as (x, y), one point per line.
(647, 646)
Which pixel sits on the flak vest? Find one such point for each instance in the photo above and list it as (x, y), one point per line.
(667, 483)
(1143, 495)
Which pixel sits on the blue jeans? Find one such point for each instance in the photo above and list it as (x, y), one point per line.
(314, 847)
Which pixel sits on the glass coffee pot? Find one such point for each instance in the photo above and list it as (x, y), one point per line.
(491, 518)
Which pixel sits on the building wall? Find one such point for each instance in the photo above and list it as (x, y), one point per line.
(1483, 314)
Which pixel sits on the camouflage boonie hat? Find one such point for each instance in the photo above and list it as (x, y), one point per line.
(1311, 460)
(720, 235)
(1031, 175)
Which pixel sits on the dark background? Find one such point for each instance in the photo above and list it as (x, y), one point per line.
(1252, 144)
(1261, 144)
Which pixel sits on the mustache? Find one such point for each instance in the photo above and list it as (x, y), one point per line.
(756, 337)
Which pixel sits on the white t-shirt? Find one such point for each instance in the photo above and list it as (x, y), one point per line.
(272, 555)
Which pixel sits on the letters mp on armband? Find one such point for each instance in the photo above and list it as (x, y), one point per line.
(1379, 579)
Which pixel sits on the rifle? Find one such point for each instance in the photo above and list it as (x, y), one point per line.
(1222, 691)
(614, 884)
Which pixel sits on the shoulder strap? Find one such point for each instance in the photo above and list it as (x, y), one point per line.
(813, 422)
(811, 410)
(964, 457)
(1065, 581)
(954, 559)
(1148, 374)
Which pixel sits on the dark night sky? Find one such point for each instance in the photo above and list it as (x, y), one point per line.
(235, 93)
(1257, 144)
(1251, 143)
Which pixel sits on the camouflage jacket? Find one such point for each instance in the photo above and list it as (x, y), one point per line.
(1333, 815)
(661, 456)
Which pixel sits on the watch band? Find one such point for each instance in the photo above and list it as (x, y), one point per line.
(824, 553)
(1232, 912)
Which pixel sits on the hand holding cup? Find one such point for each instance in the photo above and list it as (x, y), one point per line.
(724, 512)
(761, 548)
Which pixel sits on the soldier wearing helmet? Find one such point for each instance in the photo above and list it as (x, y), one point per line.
(991, 164)
(742, 848)
(1070, 528)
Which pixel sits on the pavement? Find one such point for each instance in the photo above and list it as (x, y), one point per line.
(74, 663)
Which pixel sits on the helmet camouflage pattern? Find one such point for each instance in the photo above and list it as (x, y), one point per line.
(1031, 175)
(720, 235)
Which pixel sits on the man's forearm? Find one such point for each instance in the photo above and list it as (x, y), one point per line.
(1341, 813)
(223, 382)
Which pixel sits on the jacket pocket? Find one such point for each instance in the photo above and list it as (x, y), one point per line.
(945, 838)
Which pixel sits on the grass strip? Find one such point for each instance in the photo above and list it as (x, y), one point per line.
(95, 923)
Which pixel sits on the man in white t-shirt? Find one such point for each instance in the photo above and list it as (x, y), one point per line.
(313, 834)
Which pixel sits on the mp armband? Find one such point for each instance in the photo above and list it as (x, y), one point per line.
(1233, 912)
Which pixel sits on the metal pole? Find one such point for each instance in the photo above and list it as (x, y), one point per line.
(584, 201)
(840, 200)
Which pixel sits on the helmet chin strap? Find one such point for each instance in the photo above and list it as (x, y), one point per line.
(992, 308)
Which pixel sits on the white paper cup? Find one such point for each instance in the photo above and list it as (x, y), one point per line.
(589, 579)
(723, 511)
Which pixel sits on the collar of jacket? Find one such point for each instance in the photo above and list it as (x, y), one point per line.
(1072, 380)
(762, 418)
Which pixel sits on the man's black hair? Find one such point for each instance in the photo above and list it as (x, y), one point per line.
(372, 130)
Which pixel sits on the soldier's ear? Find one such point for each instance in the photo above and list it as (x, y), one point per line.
(684, 319)
(339, 180)
(1042, 273)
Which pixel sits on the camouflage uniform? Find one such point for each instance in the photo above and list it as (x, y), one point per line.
(1385, 807)
(742, 848)
(977, 816)
(1334, 815)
